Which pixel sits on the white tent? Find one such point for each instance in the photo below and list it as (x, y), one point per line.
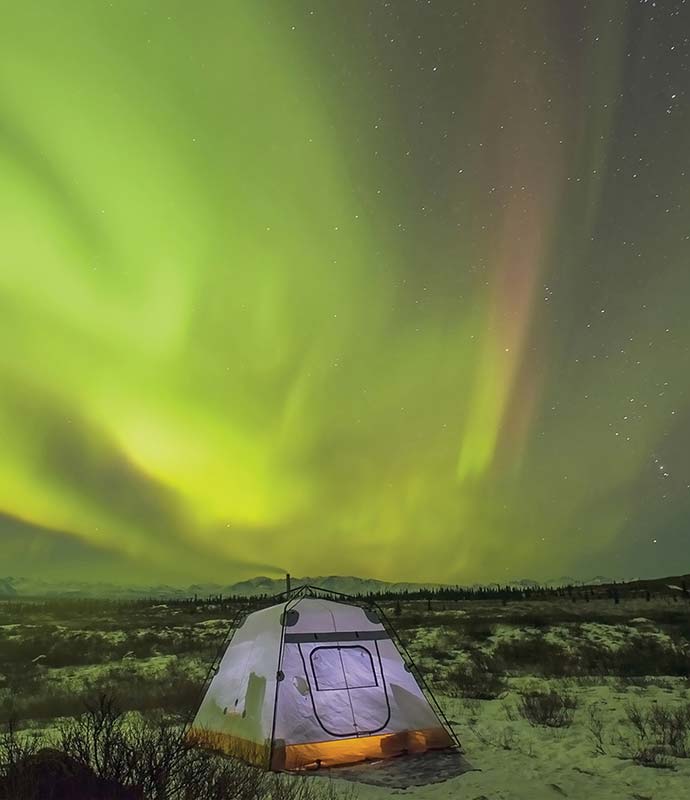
(316, 682)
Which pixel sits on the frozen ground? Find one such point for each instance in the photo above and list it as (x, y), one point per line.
(594, 755)
(514, 760)
(612, 665)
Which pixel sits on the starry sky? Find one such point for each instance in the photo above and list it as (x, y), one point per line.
(396, 289)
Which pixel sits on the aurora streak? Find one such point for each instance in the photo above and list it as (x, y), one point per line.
(397, 290)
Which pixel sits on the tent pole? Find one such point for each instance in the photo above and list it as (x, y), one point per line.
(283, 620)
(388, 625)
(234, 625)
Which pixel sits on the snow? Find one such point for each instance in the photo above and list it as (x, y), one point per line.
(516, 761)
(513, 759)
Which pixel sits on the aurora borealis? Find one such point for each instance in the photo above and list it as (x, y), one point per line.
(395, 289)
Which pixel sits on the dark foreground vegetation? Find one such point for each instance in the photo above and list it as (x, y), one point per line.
(104, 754)
(658, 734)
(642, 657)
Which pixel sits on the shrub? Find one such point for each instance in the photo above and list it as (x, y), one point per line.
(474, 681)
(641, 656)
(103, 754)
(62, 647)
(534, 655)
(443, 648)
(648, 655)
(551, 709)
(477, 628)
(46, 703)
(175, 690)
(655, 757)
(596, 729)
(535, 619)
(659, 733)
(681, 631)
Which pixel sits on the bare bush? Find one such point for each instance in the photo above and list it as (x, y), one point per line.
(174, 689)
(551, 709)
(641, 656)
(653, 757)
(473, 680)
(477, 628)
(534, 655)
(443, 648)
(132, 757)
(35, 700)
(660, 733)
(595, 724)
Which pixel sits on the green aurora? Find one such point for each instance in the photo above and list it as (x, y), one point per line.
(390, 289)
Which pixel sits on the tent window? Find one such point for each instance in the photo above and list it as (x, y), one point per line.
(336, 668)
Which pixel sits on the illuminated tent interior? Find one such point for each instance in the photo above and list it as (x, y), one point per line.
(313, 682)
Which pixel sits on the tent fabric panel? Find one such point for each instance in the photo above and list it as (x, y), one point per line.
(306, 712)
(296, 718)
(409, 705)
(315, 615)
(240, 699)
(332, 753)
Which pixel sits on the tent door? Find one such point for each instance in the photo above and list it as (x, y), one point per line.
(348, 688)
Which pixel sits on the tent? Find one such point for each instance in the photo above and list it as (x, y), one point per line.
(317, 680)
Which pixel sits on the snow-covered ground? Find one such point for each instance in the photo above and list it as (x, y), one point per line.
(480, 658)
(592, 757)
(514, 760)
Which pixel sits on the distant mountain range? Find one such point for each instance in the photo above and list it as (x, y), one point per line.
(27, 587)
(565, 580)
(347, 584)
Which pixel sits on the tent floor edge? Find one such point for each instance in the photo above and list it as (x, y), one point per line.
(339, 752)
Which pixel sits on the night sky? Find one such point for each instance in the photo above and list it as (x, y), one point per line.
(395, 289)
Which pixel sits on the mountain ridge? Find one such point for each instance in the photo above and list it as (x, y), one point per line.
(17, 587)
